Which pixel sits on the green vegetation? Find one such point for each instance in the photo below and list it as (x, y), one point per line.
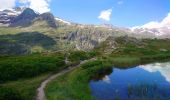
(24, 89)
(20, 76)
(9, 30)
(25, 43)
(151, 50)
(13, 68)
(124, 61)
(17, 67)
(81, 55)
(8, 94)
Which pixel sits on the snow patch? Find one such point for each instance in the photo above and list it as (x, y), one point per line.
(59, 19)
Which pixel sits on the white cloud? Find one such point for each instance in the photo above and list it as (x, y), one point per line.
(120, 2)
(7, 4)
(165, 23)
(105, 15)
(40, 6)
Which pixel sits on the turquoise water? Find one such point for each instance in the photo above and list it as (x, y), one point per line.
(144, 82)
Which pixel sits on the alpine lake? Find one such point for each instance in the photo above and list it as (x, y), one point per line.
(143, 82)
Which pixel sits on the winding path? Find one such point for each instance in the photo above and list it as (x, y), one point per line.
(40, 90)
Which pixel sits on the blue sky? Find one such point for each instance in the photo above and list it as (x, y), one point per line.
(124, 13)
(128, 13)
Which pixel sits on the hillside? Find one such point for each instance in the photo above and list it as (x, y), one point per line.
(65, 35)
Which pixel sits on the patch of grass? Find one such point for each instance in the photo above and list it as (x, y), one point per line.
(9, 30)
(81, 55)
(124, 61)
(17, 67)
(9, 94)
(22, 89)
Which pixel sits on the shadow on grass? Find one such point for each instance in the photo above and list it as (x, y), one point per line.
(23, 42)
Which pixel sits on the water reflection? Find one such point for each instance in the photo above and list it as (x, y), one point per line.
(106, 79)
(145, 82)
(163, 68)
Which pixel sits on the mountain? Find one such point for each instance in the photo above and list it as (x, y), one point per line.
(162, 32)
(24, 19)
(27, 30)
(7, 15)
(64, 34)
(155, 29)
(49, 18)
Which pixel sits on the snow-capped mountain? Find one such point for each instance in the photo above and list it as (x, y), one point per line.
(14, 17)
(9, 14)
(163, 31)
(159, 29)
(23, 17)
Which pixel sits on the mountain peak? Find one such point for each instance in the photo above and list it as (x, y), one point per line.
(49, 18)
(28, 12)
(25, 18)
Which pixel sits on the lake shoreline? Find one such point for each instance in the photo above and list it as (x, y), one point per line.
(78, 80)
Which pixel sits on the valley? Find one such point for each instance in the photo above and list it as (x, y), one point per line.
(34, 47)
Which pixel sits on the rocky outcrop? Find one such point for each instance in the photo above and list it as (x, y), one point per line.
(6, 16)
(49, 18)
(88, 38)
